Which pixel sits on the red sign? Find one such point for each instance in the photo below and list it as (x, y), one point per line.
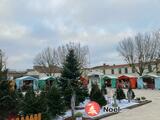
(92, 108)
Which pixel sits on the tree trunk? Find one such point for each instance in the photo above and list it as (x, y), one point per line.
(73, 98)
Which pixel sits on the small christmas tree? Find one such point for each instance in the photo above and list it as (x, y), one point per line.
(55, 101)
(97, 96)
(33, 104)
(120, 94)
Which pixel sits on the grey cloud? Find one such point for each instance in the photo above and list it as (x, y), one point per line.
(29, 26)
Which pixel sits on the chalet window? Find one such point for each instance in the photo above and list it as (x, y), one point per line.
(112, 71)
(126, 70)
(120, 71)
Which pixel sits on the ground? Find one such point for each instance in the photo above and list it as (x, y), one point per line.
(150, 111)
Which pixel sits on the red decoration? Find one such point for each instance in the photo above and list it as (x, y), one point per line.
(92, 108)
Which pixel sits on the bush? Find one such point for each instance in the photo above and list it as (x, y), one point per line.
(143, 98)
(78, 114)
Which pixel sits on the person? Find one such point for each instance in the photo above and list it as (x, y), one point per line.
(130, 94)
(125, 84)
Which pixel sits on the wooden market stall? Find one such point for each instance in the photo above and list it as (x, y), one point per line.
(149, 81)
(110, 81)
(46, 82)
(84, 81)
(26, 82)
(126, 81)
(95, 78)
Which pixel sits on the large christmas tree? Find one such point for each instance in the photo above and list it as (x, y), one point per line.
(70, 80)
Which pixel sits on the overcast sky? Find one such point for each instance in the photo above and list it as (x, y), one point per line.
(28, 26)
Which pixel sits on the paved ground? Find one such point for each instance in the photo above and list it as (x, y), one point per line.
(150, 111)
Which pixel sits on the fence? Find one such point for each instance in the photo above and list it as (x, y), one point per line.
(30, 117)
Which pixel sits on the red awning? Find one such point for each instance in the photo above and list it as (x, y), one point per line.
(125, 77)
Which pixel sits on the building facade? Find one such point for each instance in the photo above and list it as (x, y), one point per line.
(122, 69)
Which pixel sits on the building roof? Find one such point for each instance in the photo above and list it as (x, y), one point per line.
(110, 76)
(119, 66)
(95, 73)
(16, 72)
(150, 75)
(127, 76)
(111, 66)
(27, 78)
(47, 78)
(42, 69)
(100, 66)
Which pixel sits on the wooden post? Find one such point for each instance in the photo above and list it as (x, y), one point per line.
(39, 116)
(31, 117)
(22, 118)
(27, 118)
(17, 118)
(35, 117)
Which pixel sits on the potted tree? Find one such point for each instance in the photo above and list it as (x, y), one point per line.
(78, 116)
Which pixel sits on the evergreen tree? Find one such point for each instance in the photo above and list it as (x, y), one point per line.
(49, 104)
(33, 104)
(120, 94)
(8, 100)
(55, 101)
(97, 96)
(70, 80)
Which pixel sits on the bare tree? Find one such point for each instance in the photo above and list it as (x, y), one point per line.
(82, 53)
(47, 60)
(139, 51)
(3, 69)
(50, 59)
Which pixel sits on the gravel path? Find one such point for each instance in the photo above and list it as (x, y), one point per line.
(150, 111)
